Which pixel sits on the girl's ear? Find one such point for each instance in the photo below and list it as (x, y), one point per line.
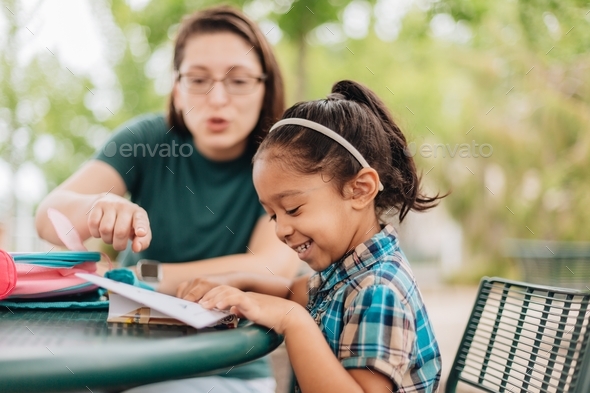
(364, 188)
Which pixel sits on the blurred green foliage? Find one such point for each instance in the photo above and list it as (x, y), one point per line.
(514, 75)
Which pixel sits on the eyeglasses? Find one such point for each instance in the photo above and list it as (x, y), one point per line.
(234, 84)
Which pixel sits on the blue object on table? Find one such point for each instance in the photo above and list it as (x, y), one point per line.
(90, 300)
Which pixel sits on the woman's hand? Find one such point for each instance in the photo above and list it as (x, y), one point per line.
(270, 311)
(116, 220)
(195, 289)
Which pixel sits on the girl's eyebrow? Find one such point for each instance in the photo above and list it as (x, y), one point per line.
(288, 193)
(283, 194)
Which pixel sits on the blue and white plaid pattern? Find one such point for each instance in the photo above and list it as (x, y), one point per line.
(372, 315)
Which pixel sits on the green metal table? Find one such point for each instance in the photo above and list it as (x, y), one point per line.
(77, 350)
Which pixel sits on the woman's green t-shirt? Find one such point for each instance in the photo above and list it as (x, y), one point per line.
(198, 208)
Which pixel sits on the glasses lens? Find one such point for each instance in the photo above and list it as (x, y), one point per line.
(240, 84)
(197, 84)
(235, 84)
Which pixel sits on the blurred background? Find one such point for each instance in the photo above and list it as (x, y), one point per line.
(493, 96)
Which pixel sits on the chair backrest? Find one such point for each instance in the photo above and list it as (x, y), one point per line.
(525, 338)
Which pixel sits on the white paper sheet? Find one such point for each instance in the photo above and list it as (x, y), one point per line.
(188, 312)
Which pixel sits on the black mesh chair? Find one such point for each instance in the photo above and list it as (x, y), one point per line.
(525, 338)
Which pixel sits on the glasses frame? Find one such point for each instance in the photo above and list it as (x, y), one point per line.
(259, 79)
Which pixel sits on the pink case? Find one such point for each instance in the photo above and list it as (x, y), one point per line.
(8, 274)
(24, 280)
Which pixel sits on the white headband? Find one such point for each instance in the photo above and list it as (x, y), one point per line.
(330, 134)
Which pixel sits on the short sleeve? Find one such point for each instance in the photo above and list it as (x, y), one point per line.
(378, 333)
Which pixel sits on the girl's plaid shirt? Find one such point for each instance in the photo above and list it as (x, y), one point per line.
(372, 315)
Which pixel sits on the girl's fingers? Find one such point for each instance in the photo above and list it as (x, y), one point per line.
(218, 296)
(195, 294)
(237, 312)
(213, 292)
(180, 291)
(227, 300)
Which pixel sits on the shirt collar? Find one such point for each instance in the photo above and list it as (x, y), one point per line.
(362, 257)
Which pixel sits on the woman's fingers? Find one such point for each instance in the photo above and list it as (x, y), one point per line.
(195, 293)
(189, 290)
(116, 221)
(181, 290)
(107, 224)
(213, 293)
(224, 297)
(121, 230)
(142, 233)
(94, 218)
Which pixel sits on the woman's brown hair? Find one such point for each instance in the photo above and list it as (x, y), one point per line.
(357, 114)
(228, 19)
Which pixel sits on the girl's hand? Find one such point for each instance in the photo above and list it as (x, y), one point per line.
(195, 289)
(270, 311)
(116, 220)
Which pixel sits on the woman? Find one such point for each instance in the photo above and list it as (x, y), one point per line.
(190, 176)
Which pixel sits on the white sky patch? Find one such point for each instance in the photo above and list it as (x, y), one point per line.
(425, 5)
(103, 102)
(3, 28)
(389, 15)
(357, 18)
(86, 41)
(25, 112)
(259, 9)
(4, 131)
(21, 138)
(552, 25)
(5, 179)
(159, 68)
(271, 30)
(138, 42)
(44, 148)
(97, 136)
(444, 27)
(137, 5)
(30, 185)
(327, 34)
(69, 30)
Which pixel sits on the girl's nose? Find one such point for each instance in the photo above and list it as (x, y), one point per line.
(283, 229)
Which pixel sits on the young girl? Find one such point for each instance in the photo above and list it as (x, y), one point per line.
(325, 174)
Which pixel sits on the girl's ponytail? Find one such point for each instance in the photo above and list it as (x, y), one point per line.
(361, 118)
(400, 179)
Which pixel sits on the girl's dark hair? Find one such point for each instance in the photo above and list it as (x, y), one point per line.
(223, 19)
(355, 112)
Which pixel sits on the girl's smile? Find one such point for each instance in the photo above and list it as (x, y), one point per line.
(311, 216)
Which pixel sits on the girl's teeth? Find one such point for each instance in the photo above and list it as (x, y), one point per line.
(303, 247)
